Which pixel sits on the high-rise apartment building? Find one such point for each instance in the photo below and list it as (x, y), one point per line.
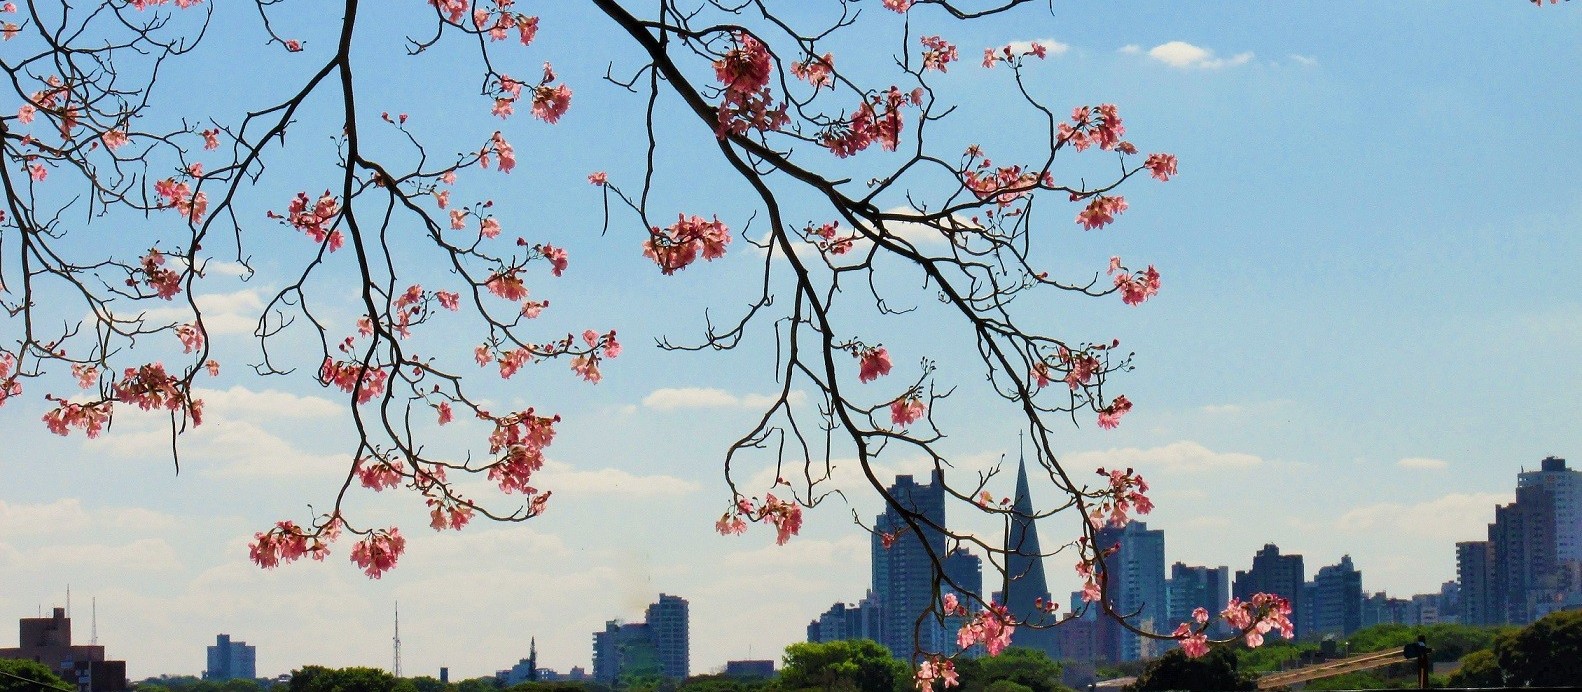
(1336, 600)
(1565, 489)
(1274, 573)
(903, 572)
(658, 646)
(1134, 582)
(1192, 587)
(230, 660)
(1523, 535)
(667, 625)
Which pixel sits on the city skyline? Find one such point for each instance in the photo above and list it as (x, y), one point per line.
(1348, 255)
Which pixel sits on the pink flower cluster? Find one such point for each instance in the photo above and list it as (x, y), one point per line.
(191, 337)
(679, 244)
(165, 282)
(898, 5)
(1005, 184)
(287, 542)
(877, 120)
(549, 102)
(367, 380)
(145, 4)
(872, 363)
(936, 668)
(448, 514)
(1136, 289)
(149, 387)
(1095, 126)
(820, 72)
(378, 474)
(498, 24)
(314, 218)
(1110, 416)
(1256, 617)
(180, 197)
(748, 104)
(1101, 211)
(784, 515)
(1161, 166)
(90, 417)
(829, 239)
(907, 409)
(378, 553)
(9, 387)
(939, 55)
(519, 439)
(498, 146)
(991, 627)
(1126, 494)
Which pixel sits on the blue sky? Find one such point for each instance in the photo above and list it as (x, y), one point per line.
(1369, 324)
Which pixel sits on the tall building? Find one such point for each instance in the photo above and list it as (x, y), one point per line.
(1274, 573)
(658, 646)
(667, 625)
(1025, 582)
(903, 573)
(1134, 582)
(1475, 573)
(1565, 488)
(1192, 587)
(844, 621)
(48, 641)
(231, 660)
(1336, 600)
(1525, 571)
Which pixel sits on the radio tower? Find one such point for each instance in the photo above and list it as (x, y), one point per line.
(397, 640)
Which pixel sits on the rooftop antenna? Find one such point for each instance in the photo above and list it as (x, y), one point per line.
(95, 605)
(68, 600)
(396, 664)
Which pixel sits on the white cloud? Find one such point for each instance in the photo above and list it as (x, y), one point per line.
(1183, 55)
(1303, 60)
(1222, 409)
(225, 448)
(1051, 46)
(223, 313)
(670, 399)
(1184, 456)
(1454, 517)
(1130, 49)
(269, 403)
(561, 477)
(1422, 463)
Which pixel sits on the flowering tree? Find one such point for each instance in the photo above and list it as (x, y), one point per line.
(119, 207)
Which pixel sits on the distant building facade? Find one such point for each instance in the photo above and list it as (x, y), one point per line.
(1026, 584)
(1335, 600)
(1134, 581)
(1193, 587)
(47, 640)
(750, 669)
(659, 646)
(903, 572)
(230, 660)
(1274, 573)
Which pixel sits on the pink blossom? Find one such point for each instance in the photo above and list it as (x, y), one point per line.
(445, 413)
(508, 286)
(907, 410)
(378, 553)
(556, 256)
(114, 139)
(872, 364)
(87, 375)
(597, 178)
(191, 337)
(211, 139)
(939, 54)
(1101, 211)
(293, 45)
(898, 5)
(1110, 416)
(377, 474)
(448, 300)
(745, 68)
(1193, 644)
(490, 228)
(817, 71)
(680, 244)
(1161, 166)
(587, 367)
(549, 104)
